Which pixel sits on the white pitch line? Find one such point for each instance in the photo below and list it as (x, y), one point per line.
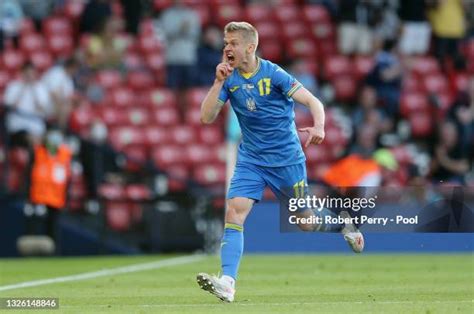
(107, 272)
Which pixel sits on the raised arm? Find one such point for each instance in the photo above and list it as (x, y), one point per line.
(316, 132)
(211, 106)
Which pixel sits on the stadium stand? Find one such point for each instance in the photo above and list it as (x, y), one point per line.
(155, 126)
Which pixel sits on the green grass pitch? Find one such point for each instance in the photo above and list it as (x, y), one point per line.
(267, 284)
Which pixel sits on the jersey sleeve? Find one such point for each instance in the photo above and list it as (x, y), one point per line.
(223, 94)
(285, 82)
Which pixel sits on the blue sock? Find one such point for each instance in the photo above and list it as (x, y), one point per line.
(232, 246)
(327, 227)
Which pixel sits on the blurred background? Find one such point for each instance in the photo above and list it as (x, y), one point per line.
(101, 146)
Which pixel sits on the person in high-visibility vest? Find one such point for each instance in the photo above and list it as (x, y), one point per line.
(50, 173)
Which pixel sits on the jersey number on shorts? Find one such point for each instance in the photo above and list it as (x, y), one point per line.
(299, 188)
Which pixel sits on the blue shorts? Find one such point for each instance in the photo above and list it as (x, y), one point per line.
(250, 180)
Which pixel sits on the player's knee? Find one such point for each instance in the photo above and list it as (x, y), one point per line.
(237, 211)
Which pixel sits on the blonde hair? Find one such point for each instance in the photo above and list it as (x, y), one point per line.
(249, 32)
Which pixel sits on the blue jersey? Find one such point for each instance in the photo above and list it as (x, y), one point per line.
(265, 110)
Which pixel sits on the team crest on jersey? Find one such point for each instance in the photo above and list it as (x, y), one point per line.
(251, 106)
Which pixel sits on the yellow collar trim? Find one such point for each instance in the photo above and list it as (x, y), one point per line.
(249, 75)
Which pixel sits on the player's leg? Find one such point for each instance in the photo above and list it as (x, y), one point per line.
(290, 182)
(246, 187)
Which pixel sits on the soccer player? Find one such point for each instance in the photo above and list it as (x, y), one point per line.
(270, 154)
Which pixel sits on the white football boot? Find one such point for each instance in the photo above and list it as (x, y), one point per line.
(352, 235)
(217, 286)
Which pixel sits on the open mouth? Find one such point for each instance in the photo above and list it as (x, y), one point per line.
(230, 58)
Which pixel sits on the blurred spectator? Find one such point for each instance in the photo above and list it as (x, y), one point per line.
(450, 162)
(60, 85)
(209, 55)
(94, 15)
(11, 16)
(449, 27)
(386, 77)
(106, 48)
(387, 24)
(367, 111)
(133, 12)
(37, 10)
(416, 31)
(99, 160)
(182, 31)
(365, 141)
(356, 19)
(29, 104)
(299, 70)
(462, 114)
(50, 174)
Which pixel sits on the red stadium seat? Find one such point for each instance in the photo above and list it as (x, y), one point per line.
(160, 5)
(337, 66)
(111, 191)
(178, 174)
(27, 26)
(138, 192)
(362, 66)
(210, 135)
(138, 116)
(149, 44)
(271, 50)
(159, 97)
(202, 11)
(424, 66)
(57, 25)
(155, 135)
(81, 118)
(156, 61)
(195, 96)
(165, 116)
(459, 82)
(109, 78)
(113, 116)
(258, 12)
(32, 42)
(317, 154)
(62, 46)
(140, 80)
(13, 60)
(327, 48)
(315, 14)
(199, 154)
(42, 60)
(420, 124)
(288, 14)
(413, 102)
(301, 48)
(345, 87)
(267, 31)
(133, 61)
(182, 135)
(411, 84)
(118, 216)
(123, 136)
(122, 97)
(435, 83)
(168, 155)
(295, 30)
(226, 13)
(73, 9)
(210, 174)
(193, 116)
(323, 31)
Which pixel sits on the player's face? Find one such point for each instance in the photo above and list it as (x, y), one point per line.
(236, 49)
